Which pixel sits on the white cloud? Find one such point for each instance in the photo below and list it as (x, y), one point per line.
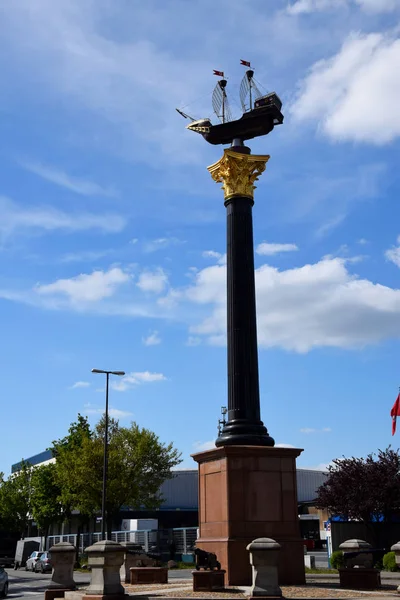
(193, 341)
(153, 339)
(283, 445)
(15, 218)
(202, 446)
(80, 384)
(86, 288)
(316, 305)
(86, 256)
(337, 93)
(132, 380)
(161, 244)
(211, 254)
(75, 184)
(393, 254)
(362, 242)
(320, 467)
(265, 249)
(115, 413)
(153, 281)
(370, 6)
(308, 430)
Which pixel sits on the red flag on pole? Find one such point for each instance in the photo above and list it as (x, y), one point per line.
(394, 413)
(218, 73)
(245, 63)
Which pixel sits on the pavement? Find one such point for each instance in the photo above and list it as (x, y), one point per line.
(27, 584)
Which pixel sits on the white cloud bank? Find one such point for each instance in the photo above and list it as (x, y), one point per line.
(86, 288)
(316, 305)
(393, 254)
(153, 339)
(78, 185)
(16, 218)
(369, 6)
(355, 95)
(265, 249)
(131, 380)
(153, 281)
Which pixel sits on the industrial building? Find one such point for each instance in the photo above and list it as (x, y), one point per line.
(180, 507)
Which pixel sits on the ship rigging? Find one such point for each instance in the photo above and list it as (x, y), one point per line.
(259, 117)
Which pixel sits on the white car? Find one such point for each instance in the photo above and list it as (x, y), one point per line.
(32, 560)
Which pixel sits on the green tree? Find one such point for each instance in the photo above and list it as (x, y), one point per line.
(363, 489)
(15, 495)
(138, 464)
(45, 501)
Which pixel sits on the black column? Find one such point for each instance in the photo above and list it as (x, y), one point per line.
(243, 426)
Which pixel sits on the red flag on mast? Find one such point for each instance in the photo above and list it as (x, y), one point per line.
(245, 63)
(394, 413)
(218, 73)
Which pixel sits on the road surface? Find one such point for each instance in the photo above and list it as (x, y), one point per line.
(25, 584)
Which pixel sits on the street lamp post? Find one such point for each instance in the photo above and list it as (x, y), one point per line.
(105, 455)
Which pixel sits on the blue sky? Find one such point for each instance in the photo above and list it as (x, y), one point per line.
(112, 233)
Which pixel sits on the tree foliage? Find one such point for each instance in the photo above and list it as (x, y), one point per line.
(138, 464)
(45, 504)
(363, 489)
(15, 497)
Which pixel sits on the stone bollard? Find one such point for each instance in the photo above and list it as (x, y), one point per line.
(396, 549)
(130, 559)
(264, 558)
(62, 578)
(359, 572)
(105, 559)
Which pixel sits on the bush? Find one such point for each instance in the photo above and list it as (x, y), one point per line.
(337, 559)
(389, 562)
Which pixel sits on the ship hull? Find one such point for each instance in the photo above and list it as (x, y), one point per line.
(255, 123)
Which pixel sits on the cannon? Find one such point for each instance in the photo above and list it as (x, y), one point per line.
(206, 560)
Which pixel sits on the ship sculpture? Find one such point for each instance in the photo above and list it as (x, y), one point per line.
(260, 112)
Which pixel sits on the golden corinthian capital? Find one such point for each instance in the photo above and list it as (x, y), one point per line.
(238, 172)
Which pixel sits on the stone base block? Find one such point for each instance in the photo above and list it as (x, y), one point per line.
(81, 595)
(360, 579)
(248, 492)
(208, 581)
(145, 575)
(53, 593)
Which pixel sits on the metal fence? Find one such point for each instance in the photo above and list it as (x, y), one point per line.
(156, 540)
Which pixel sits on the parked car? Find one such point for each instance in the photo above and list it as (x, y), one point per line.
(33, 558)
(3, 582)
(43, 564)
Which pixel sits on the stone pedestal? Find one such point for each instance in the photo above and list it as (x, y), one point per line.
(246, 492)
(360, 579)
(130, 560)
(63, 560)
(143, 575)
(208, 581)
(396, 549)
(105, 559)
(264, 559)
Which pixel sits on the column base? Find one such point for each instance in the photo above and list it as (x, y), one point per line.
(241, 432)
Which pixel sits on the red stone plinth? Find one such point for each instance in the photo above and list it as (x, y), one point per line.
(208, 581)
(248, 492)
(142, 575)
(53, 593)
(360, 579)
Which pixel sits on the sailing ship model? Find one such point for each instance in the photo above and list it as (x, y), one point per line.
(259, 117)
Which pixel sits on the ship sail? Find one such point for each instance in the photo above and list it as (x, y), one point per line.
(220, 102)
(248, 88)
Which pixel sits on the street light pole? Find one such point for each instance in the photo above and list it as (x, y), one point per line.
(105, 453)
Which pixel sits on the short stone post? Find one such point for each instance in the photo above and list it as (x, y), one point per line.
(130, 559)
(396, 549)
(105, 559)
(358, 572)
(264, 558)
(62, 578)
